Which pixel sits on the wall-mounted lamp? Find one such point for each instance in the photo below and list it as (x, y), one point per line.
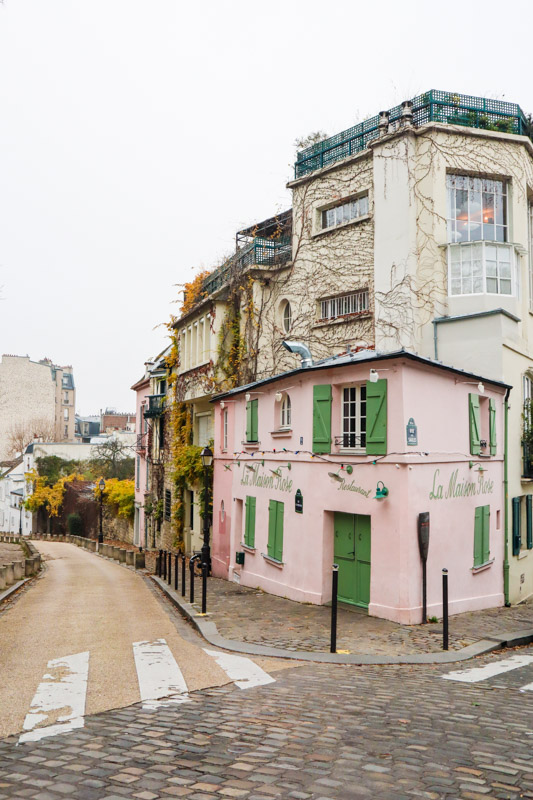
(248, 395)
(381, 491)
(480, 385)
(222, 404)
(335, 477)
(278, 397)
(277, 471)
(374, 375)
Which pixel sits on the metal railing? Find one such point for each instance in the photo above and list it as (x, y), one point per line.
(156, 405)
(350, 440)
(141, 443)
(260, 252)
(527, 460)
(433, 106)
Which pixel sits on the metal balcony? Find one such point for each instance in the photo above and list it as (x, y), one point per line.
(156, 405)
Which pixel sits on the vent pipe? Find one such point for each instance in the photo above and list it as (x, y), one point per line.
(302, 350)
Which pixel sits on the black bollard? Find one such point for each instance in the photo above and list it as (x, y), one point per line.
(204, 588)
(160, 564)
(183, 574)
(334, 590)
(170, 569)
(445, 609)
(164, 565)
(176, 572)
(191, 578)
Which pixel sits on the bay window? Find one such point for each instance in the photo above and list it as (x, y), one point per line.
(477, 209)
(482, 268)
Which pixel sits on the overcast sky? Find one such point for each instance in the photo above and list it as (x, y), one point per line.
(137, 137)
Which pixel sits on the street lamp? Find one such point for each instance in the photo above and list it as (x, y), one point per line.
(207, 459)
(101, 486)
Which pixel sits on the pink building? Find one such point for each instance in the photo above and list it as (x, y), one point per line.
(334, 462)
(142, 390)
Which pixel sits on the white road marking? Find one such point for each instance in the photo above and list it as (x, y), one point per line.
(489, 670)
(63, 687)
(243, 671)
(158, 674)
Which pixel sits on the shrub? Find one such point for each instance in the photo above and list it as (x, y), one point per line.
(75, 525)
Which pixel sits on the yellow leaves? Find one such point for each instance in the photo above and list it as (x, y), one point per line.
(193, 291)
(51, 497)
(119, 496)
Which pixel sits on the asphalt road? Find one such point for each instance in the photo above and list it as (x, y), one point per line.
(101, 635)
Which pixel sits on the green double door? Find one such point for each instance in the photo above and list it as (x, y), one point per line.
(352, 554)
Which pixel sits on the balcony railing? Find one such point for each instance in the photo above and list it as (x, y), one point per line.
(140, 446)
(433, 106)
(260, 252)
(156, 405)
(350, 440)
(527, 461)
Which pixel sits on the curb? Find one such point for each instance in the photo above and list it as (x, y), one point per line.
(12, 589)
(208, 630)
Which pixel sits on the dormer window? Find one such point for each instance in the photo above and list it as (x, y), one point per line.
(477, 209)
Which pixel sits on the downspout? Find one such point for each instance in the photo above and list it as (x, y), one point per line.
(435, 343)
(506, 500)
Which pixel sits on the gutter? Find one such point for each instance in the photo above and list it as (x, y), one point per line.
(506, 499)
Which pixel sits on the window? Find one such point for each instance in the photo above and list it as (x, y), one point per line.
(530, 230)
(275, 530)
(225, 429)
(286, 411)
(205, 430)
(65, 399)
(168, 503)
(65, 414)
(353, 303)
(354, 417)
(287, 317)
(481, 535)
(346, 211)
(482, 268)
(147, 475)
(477, 209)
(482, 423)
(249, 522)
(66, 430)
(252, 431)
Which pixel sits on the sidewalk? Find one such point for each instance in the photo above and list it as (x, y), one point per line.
(251, 618)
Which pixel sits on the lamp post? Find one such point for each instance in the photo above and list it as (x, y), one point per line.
(101, 486)
(207, 460)
(20, 520)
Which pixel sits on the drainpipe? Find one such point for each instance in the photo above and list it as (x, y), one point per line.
(506, 500)
(435, 342)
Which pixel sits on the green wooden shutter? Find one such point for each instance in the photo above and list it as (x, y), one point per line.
(278, 548)
(492, 426)
(322, 419)
(249, 525)
(529, 521)
(486, 534)
(255, 421)
(517, 534)
(376, 418)
(249, 422)
(271, 527)
(475, 426)
(478, 536)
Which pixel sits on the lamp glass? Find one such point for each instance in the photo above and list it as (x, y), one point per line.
(207, 456)
(101, 485)
(374, 377)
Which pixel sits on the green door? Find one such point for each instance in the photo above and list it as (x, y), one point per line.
(352, 554)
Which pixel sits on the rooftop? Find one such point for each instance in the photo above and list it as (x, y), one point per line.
(433, 106)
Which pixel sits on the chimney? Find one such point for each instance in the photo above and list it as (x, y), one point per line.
(383, 124)
(407, 114)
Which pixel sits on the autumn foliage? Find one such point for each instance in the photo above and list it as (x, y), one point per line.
(192, 291)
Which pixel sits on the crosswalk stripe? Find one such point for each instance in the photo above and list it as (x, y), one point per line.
(158, 674)
(245, 672)
(63, 686)
(489, 670)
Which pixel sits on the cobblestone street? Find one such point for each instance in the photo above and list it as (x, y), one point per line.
(246, 615)
(317, 733)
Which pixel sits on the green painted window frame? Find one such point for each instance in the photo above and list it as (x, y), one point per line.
(276, 512)
(529, 521)
(517, 525)
(252, 420)
(481, 536)
(474, 422)
(376, 417)
(492, 427)
(249, 521)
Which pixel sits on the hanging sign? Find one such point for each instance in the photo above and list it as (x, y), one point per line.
(299, 502)
(412, 432)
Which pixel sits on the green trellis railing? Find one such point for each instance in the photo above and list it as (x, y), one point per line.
(433, 106)
(261, 252)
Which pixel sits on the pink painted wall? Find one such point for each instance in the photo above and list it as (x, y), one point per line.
(438, 402)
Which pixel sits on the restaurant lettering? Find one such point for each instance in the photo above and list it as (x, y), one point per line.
(352, 487)
(262, 480)
(460, 488)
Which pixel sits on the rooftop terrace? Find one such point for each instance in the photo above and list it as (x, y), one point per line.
(433, 106)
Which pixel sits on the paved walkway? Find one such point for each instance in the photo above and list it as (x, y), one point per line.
(10, 552)
(251, 616)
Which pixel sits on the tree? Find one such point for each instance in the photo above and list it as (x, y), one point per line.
(23, 432)
(111, 459)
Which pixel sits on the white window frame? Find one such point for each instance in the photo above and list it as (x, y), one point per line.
(347, 210)
(476, 187)
(286, 316)
(527, 398)
(345, 304)
(353, 424)
(483, 248)
(286, 412)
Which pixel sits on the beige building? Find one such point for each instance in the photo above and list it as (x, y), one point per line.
(413, 229)
(37, 398)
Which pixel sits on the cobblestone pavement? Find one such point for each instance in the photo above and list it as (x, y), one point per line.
(10, 552)
(249, 615)
(320, 732)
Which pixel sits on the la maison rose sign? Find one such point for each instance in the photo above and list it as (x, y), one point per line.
(262, 480)
(459, 488)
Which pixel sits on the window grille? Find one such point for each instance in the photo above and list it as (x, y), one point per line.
(353, 303)
(345, 212)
